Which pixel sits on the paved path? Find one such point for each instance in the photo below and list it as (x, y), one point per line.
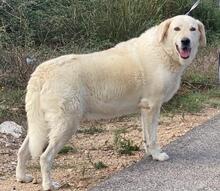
(194, 165)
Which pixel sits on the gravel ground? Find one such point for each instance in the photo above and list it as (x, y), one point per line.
(75, 170)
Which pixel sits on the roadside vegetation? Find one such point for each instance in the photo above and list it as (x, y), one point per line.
(122, 144)
(34, 31)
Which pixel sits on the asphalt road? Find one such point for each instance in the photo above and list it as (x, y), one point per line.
(194, 165)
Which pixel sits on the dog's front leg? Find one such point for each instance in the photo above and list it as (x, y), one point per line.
(149, 120)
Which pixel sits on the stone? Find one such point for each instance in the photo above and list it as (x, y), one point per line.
(12, 128)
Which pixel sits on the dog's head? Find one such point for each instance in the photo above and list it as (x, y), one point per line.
(182, 35)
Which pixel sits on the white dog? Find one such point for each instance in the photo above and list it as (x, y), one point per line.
(139, 74)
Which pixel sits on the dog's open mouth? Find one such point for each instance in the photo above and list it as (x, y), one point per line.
(184, 52)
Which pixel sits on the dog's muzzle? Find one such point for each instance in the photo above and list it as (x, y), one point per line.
(185, 49)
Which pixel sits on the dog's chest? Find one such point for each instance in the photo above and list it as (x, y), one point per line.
(171, 85)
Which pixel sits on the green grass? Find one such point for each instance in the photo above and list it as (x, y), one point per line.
(12, 105)
(193, 101)
(122, 144)
(99, 165)
(90, 130)
(196, 78)
(214, 98)
(12, 96)
(67, 149)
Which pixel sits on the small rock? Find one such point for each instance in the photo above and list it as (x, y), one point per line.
(30, 60)
(70, 170)
(2, 178)
(12, 128)
(8, 144)
(80, 184)
(35, 181)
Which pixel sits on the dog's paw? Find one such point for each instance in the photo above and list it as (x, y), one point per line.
(54, 186)
(25, 179)
(160, 156)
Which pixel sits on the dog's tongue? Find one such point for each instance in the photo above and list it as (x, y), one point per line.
(184, 53)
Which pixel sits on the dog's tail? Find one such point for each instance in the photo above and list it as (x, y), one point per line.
(37, 128)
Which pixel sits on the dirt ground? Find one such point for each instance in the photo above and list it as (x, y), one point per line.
(76, 170)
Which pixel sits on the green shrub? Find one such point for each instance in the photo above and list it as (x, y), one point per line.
(94, 24)
(48, 28)
(99, 165)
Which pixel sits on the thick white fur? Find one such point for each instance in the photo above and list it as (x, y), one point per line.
(139, 74)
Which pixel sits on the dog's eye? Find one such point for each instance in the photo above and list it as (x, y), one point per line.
(177, 28)
(192, 29)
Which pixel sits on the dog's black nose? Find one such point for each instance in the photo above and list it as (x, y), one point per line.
(185, 41)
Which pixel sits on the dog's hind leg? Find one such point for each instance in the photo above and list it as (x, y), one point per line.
(62, 128)
(23, 156)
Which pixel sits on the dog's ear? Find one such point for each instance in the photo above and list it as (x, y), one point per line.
(163, 27)
(202, 34)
